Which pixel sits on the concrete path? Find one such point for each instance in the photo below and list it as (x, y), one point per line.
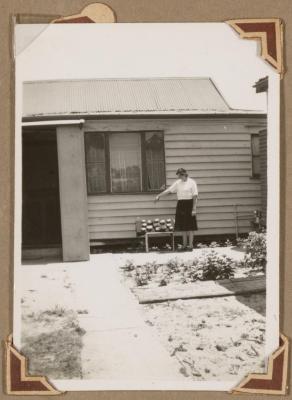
(118, 344)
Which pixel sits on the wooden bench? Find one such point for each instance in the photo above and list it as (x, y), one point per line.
(158, 234)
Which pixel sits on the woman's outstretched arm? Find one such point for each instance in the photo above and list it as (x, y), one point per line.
(171, 189)
(164, 193)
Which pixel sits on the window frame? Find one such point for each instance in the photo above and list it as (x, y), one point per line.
(253, 174)
(142, 134)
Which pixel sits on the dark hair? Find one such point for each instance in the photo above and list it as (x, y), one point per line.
(181, 171)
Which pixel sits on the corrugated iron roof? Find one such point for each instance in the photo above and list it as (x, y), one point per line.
(122, 96)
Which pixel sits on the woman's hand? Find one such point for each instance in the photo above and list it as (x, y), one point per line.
(157, 198)
(194, 211)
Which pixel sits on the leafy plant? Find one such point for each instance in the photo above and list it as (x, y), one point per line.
(166, 274)
(164, 281)
(141, 275)
(190, 271)
(129, 266)
(152, 267)
(141, 278)
(255, 246)
(174, 265)
(240, 242)
(213, 267)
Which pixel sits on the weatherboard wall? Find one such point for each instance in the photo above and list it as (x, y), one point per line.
(217, 154)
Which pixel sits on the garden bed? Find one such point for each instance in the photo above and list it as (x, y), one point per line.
(202, 264)
(212, 339)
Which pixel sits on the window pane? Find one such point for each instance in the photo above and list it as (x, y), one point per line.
(255, 145)
(94, 143)
(96, 178)
(154, 147)
(95, 162)
(255, 151)
(125, 162)
(256, 168)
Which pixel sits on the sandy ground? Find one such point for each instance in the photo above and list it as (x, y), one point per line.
(220, 339)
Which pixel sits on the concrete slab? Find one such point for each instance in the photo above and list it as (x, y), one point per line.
(127, 354)
(199, 290)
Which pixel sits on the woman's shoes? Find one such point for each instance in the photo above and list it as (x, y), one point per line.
(188, 248)
(185, 248)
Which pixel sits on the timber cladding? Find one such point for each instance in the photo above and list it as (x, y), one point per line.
(215, 151)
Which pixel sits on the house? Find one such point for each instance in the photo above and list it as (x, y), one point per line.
(95, 153)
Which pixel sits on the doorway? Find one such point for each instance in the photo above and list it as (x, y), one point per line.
(41, 220)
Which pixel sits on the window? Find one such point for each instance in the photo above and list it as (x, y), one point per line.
(255, 154)
(124, 162)
(95, 162)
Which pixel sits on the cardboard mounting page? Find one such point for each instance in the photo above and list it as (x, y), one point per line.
(162, 55)
(234, 70)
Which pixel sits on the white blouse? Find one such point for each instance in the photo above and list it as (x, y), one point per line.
(185, 190)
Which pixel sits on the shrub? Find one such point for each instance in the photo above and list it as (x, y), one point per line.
(213, 266)
(256, 251)
(174, 265)
(209, 267)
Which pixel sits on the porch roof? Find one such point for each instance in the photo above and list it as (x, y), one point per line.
(124, 97)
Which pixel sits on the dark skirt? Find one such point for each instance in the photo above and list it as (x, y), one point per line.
(184, 220)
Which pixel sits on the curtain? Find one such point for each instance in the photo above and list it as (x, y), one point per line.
(155, 164)
(125, 162)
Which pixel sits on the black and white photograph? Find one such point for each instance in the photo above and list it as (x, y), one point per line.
(147, 205)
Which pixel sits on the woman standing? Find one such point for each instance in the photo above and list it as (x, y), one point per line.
(185, 217)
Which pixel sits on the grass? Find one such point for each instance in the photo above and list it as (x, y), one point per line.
(52, 343)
